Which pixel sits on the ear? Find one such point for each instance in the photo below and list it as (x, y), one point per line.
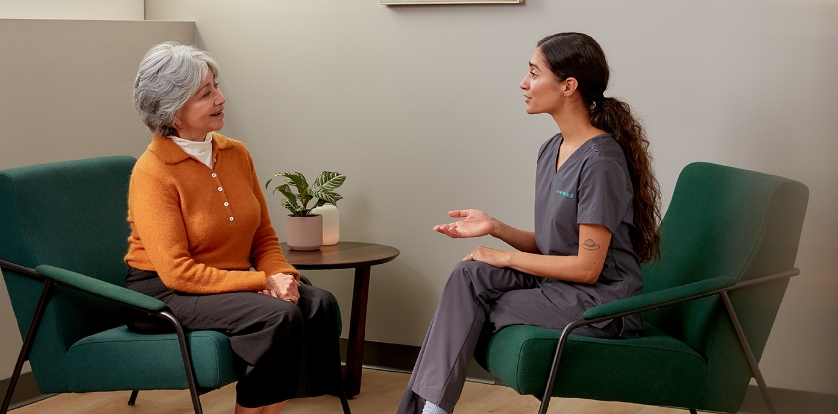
(568, 86)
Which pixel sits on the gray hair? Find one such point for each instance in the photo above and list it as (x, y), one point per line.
(169, 75)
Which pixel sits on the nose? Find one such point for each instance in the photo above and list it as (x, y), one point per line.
(525, 83)
(219, 100)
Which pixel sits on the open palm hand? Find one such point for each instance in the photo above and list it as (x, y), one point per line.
(473, 223)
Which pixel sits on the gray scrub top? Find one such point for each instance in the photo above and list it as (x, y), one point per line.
(591, 187)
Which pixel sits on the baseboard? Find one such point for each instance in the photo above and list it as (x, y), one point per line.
(395, 357)
(26, 392)
(789, 401)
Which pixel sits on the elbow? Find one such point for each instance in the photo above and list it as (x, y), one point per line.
(589, 271)
(589, 277)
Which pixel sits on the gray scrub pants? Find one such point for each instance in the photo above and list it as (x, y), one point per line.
(479, 299)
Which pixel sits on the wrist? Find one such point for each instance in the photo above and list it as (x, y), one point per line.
(507, 258)
(497, 228)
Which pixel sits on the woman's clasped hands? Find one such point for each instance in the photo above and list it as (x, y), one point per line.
(283, 286)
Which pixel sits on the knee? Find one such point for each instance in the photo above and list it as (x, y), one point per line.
(284, 314)
(465, 271)
(319, 303)
(471, 267)
(470, 277)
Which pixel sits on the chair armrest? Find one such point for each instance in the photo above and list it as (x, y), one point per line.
(102, 289)
(649, 301)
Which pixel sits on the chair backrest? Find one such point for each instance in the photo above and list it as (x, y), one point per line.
(725, 221)
(72, 215)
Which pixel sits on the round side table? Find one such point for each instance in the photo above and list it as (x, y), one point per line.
(348, 255)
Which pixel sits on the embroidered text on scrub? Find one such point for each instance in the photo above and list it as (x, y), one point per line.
(565, 193)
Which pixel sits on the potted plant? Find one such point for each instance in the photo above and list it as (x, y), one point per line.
(304, 231)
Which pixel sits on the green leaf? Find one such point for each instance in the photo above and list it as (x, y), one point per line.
(298, 180)
(320, 203)
(295, 210)
(327, 196)
(286, 191)
(267, 183)
(328, 181)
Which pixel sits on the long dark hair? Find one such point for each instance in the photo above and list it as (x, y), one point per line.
(579, 56)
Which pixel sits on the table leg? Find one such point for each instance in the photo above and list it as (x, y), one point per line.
(357, 326)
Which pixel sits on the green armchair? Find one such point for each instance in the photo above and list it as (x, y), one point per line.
(63, 235)
(728, 245)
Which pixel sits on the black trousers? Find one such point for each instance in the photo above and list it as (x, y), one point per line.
(284, 350)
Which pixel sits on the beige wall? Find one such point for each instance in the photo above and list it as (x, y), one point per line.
(66, 94)
(72, 9)
(420, 108)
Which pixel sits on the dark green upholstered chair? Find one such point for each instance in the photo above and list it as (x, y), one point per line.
(728, 246)
(63, 235)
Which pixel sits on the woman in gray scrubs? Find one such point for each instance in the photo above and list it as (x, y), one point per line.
(596, 216)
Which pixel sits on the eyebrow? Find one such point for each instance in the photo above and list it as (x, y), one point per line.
(201, 89)
(535, 66)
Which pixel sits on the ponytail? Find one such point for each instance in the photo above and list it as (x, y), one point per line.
(579, 56)
(614, 116)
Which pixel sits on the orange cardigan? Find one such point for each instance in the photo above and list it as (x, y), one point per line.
(195, 226)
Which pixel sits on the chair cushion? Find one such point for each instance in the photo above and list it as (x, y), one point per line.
(521, 355)
(118, 359)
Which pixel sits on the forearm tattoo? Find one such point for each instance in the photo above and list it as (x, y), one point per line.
(590, 245)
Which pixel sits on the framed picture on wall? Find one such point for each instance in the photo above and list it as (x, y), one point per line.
(411, 2)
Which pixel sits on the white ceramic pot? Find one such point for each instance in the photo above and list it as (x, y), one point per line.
(304, 233)
(331, 223)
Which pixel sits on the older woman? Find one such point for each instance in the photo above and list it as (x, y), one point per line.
(202, 241)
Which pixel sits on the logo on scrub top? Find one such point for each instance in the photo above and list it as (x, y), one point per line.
(565, 193)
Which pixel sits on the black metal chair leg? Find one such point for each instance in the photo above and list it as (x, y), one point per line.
(343, 401)
(27, 346)
(693, 411)
(554, 370)
(133, 399)
(187, 362)
(750, 355)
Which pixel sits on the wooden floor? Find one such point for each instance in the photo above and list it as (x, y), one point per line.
(381, 392)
